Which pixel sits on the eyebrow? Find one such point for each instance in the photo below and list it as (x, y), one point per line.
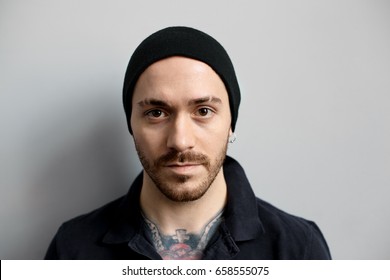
(153, 102)
(205, 99)
(161, 103)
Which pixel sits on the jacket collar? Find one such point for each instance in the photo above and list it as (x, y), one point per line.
(129, 218)
(241, 217)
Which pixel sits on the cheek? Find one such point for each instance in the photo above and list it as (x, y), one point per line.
(215, 139)
(149, 141)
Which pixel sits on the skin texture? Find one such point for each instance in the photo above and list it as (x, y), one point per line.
(181, 125)
(183, 245)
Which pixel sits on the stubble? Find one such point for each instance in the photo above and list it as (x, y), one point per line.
(179, 188)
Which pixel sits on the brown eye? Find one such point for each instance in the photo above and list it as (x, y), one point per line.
(155, 113)
(204, 111)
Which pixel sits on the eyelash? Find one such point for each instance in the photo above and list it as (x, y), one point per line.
(160, 112)
(209, 111)
(150, 113)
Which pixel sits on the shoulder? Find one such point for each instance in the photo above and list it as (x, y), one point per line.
(292, 233)
(92, 235)
(99, 218)
(276, 219)
(82, 233)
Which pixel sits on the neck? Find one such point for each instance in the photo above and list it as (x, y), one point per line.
(169, 216)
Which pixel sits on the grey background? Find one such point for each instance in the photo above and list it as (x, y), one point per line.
(313, 131)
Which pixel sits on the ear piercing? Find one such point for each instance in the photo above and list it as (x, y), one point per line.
(232, 138)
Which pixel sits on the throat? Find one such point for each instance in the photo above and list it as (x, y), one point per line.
(182, 245)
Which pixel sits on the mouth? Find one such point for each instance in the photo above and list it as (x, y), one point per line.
(186, 167)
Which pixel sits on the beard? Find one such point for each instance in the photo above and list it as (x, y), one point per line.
(179, 188)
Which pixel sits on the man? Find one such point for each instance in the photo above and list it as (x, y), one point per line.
(181, 99)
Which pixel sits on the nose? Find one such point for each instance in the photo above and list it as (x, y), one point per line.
(181, 136)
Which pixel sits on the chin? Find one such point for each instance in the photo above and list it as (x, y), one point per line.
(184, 191)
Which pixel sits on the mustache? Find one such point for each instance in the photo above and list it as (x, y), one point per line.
(174, 156)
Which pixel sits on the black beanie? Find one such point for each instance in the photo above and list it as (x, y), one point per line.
(187, 42)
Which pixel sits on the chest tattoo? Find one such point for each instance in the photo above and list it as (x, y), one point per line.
(183, 245)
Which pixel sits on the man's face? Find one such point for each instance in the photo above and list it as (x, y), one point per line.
(181, 124)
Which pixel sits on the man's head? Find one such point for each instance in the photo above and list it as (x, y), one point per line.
(186, 42)
(179, 110)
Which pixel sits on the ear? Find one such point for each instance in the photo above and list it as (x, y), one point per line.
(230, 132)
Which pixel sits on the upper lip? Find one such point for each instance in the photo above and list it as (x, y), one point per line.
(174, 164)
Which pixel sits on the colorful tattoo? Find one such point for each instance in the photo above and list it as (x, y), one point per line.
(183, 245)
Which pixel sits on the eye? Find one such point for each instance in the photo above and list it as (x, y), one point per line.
(156, 113)
(204, 112)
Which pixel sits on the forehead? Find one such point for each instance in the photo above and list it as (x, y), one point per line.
(179, 78)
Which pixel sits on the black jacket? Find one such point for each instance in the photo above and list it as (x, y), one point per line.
(252, 229)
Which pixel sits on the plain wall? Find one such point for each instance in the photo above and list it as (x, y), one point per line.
(313, 131)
